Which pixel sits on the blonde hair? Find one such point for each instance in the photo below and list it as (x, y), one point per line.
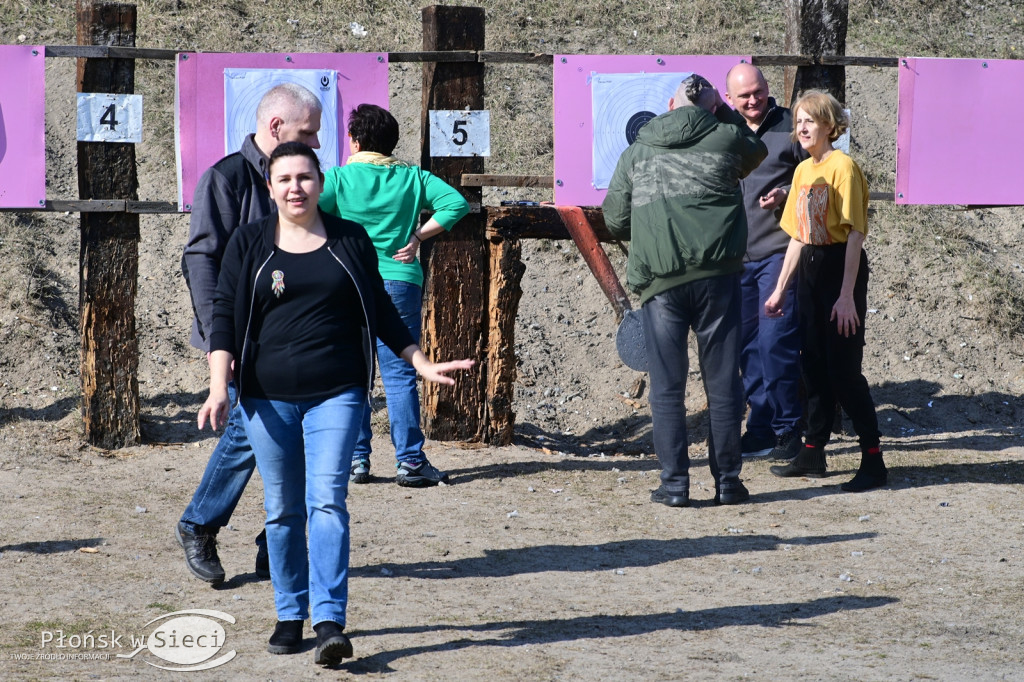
(825, 110)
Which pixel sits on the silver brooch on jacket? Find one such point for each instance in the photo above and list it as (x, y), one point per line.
(277, 286)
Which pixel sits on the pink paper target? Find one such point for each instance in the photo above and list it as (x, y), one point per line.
(956, 141)
(575, 141)
(22, 126)
(362, 78)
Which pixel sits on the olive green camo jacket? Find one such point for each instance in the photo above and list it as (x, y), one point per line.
(675, 194)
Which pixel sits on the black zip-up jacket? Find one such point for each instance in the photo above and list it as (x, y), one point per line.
(252, 245)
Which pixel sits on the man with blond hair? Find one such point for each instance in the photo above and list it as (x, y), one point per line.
(231, 193)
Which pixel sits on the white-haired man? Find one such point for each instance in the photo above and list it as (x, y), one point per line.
(231, 193)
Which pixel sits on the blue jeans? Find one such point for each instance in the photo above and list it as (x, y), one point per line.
(227, 473)
(711, 307)
(399, 379)
(304, 453)
(770, 361)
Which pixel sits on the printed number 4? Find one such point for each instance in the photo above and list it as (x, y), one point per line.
(459, 133)
(109, 118)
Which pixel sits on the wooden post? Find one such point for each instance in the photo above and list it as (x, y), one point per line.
(816, 28)
(109, 262)
(507, 270)
(455, 323)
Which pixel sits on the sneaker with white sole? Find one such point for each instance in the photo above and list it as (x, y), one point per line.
(420, 475)
(788, 447)
(360, 472)
(752, 445)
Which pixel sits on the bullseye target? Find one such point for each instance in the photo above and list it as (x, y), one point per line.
(622, 104)
(244, 88)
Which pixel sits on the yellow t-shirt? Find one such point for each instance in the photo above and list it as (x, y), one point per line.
(827, 200)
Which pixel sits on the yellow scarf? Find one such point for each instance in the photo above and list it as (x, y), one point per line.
(375, 159)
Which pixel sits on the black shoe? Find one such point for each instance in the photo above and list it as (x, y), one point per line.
(262, 556)
(788, 447)
(733, 495)
(662, 496)
(287, 637)
(332, 644)
(200, 554)
(809, 462)
(420, 476)
(871, 474)
(756, 446)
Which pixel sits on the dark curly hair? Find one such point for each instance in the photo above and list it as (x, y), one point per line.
(374, 128)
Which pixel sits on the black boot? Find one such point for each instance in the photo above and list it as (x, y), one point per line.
(871, 474)
(809, 462)
(287, 637)
(332, 644)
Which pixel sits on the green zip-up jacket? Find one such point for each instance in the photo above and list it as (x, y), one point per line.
(675, 195)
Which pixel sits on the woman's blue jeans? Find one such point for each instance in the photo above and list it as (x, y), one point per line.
(304, 452)
(399, 379)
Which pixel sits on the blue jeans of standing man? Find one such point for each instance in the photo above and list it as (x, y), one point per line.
(227, 473)
(770, 360)
(399, 379)
(711, 307)
(304, 452)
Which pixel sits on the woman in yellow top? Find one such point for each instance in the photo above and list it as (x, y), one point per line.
(826, 217)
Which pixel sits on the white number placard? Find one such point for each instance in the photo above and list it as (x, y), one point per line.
(460, 133)
(105, 117)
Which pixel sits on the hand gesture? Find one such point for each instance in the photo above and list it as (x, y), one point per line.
(216, 409)
(844, 314)
(773, 306)
(407, 254)
(775, 198)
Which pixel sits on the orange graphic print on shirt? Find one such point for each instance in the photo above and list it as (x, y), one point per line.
(812, 214)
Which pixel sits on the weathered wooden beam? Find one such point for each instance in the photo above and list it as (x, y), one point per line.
(455, 310)
(816, 28)
(109, 51)
(516, 57)
(505, 291)
(488, 180)
(539, 222)
(109, 261)
(842, 60)
(435, 56)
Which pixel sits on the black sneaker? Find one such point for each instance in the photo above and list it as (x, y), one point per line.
(200, 554)
(788, 447)
(332, 644)
(262, 556)
(420, 476)
(752, 445)
(287, 637)
(662, 496)
(360, 472)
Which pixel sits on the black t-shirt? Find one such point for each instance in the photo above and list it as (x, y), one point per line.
(309, 340)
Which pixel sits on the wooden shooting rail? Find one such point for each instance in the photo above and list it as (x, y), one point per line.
(473, 286)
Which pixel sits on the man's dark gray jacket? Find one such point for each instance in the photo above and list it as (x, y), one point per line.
(231, 193)
(764, 236)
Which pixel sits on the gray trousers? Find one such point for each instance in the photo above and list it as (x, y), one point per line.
(711, 307)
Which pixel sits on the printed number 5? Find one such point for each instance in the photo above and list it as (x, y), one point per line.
(459, 134)
(109, 117)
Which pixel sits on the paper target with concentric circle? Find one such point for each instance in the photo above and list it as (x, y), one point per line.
(244, 88)
(622, 104)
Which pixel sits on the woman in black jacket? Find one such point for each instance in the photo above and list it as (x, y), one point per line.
(299, 305)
